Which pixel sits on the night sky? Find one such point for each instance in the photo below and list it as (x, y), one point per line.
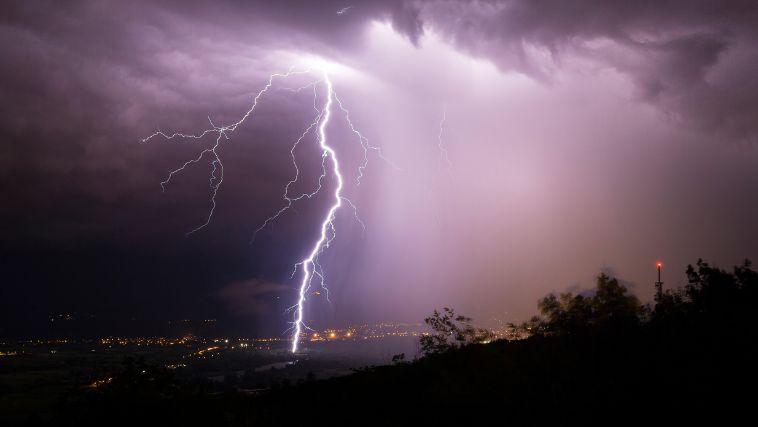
(583, 136)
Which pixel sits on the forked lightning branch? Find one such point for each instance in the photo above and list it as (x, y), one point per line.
(309, 268)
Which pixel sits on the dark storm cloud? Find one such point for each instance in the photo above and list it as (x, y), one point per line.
(83, 221)
(90, 72)
(693, 59)
(81, 83)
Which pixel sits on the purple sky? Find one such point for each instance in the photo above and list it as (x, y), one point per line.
(583, 136)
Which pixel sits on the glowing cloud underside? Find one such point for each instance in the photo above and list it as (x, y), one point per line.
(309, 267)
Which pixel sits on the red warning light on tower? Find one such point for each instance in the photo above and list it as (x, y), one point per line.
(659, 283)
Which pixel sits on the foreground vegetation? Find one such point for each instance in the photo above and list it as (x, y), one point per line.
(603, 356)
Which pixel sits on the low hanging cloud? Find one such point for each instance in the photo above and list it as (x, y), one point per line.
(253, 297)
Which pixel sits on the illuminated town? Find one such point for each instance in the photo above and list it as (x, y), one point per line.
(203, 347)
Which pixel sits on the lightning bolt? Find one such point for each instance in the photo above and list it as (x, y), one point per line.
(310, 267)
(218, 166)
(444, 154)
(344, 10)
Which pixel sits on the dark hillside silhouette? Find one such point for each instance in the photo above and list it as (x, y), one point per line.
(599, 358)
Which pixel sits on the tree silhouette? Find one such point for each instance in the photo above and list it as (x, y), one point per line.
(450, 331)
(609, 308)
(712, 296)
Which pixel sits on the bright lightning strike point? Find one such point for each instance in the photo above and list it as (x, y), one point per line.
(310, 266)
